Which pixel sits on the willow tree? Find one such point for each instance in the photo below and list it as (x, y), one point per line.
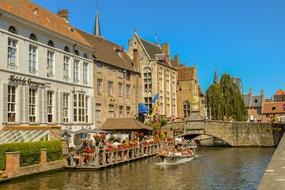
(215, 101)
(228, 102)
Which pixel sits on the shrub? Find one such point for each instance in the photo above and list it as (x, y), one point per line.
(30, 152)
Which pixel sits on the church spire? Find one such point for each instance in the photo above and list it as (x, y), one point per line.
(216, 78)
(97, 30)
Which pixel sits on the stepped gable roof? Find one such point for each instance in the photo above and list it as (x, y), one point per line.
(252, 102)
(279, 92)
(25, 9)
(185, 73)
(174, 63)
(105, 51)
(124, 124)
(151, 48)
(273, 107)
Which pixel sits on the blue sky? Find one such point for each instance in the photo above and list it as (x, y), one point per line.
(245, 38)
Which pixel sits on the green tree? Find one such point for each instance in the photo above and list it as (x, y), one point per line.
(224, 100)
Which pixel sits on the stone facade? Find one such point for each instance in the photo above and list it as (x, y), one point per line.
(158, 75)
(253, 105)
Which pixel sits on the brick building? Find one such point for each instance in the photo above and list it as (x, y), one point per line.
(159, 74)
(253, 105)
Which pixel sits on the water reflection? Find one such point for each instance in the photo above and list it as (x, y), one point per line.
(215, 168)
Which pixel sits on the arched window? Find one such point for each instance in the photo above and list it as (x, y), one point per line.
(66, 49)
(85, 56)
(76, 52)
(12, 29)
(33, 37)
(50, 43)
(147, 79)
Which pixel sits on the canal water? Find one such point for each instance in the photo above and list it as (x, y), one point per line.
(214, 169)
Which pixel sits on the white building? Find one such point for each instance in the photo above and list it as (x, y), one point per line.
(46, 69)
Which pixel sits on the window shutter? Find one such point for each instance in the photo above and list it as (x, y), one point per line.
(45, 106)
(40, 106)
(26, 104)
(22, 102)
(57, 107)
(5, 103)
(61, 106)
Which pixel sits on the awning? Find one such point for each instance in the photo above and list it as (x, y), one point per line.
(83, 131)
(124, 124)
(143, 108)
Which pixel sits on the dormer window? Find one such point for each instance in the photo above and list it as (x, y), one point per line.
(12, 29)
(76, 52)
(36, 11)
(273, 108)
(119, 51)
(255, 100)
(85, 56)
(33, 37)
(50, 43)
(66, 49)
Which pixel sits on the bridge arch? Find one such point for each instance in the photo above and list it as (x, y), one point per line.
(194, 135)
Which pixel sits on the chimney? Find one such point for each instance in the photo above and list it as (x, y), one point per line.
(166, 51)
(177, 59)
(63, 14)
(250, 92)
(136, 58)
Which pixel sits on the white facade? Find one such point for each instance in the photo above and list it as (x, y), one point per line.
(38, 85)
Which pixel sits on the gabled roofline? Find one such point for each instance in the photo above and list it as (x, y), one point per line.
(139, 40)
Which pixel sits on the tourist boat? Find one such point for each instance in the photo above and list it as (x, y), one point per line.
(174, 156)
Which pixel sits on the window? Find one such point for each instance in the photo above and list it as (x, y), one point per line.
(33, 59)
(65, 107)
(186, 109)
(255, 100)
(99, 86)
(33, 37)
(128, 87)
(128, 75)
(50, 63)
(128, 110)
(11, 103)
(98, 112)
(50, 43)
(147, 79)
(85, 55)
(120, 89)
(66, 68)
(32, 105)
(273, 108)
(49, 106)
(85, 73)
(99, 66)
(110, 88)
(12, 29)
(111, 111)
(12, 54)
(66, 49)
(76, 71)
(79, 107)
(75, 107)
(121, 110)
(148, 102)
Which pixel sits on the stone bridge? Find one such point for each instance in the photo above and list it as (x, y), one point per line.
(232, 133)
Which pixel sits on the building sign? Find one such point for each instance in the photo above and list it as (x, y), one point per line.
(26, 81)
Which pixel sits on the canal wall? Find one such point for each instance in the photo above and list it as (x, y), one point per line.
(13, 168)
(274, 176)
(236, 134)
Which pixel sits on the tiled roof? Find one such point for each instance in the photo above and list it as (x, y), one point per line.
(105, 51)
(53, 22)
(273, 107)
(151, 48)
(279, 92)
(124, 124)
(185, 73)
(252, 102)
(174, 63)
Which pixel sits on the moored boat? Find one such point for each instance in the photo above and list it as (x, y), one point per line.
(177, 155)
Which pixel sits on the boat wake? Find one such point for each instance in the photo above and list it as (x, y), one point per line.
(180, 161)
